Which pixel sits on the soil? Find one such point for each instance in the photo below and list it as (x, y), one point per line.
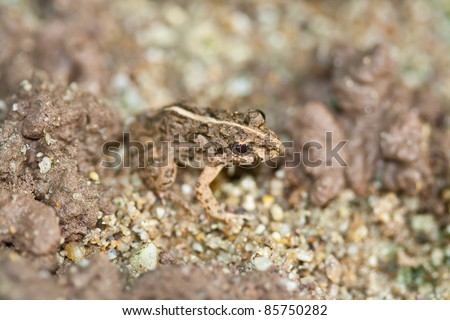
(73, 75)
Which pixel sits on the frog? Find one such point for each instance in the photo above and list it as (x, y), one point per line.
(185, 134)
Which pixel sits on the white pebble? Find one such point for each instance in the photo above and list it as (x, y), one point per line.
(74, 251)
(423, 223)
(262, 263)
(260, 229)
(248, 184)
(123, 247)
(306, 256)
(248, 247)
(26, 85)
(77, 196)
(276, 236)
(120, 81)
(45, 165)
(289, 284)
(145, 259)
(144, 236)
(197, 247)
(333, 268)
(48, 139)
(437, 257)
(112, 254)
(280, 174)
(276, 212)
(249, 203)
(186, 189)
(160, 212)
(225, 258)
(214, 242)
(276, 188)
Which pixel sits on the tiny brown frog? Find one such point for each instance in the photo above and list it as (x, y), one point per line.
(183, 134)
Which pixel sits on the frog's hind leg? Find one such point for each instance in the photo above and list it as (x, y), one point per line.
(175, 198)
(159, 172)
(206, 197)
(161, 182)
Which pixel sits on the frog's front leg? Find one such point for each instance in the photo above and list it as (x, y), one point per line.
(206, 197)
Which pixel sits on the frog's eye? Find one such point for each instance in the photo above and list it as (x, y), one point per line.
(262, 114)
(255, 118)
(240, 148)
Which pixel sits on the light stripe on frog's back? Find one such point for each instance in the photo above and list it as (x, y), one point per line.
(205, 119)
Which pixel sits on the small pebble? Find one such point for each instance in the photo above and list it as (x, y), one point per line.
(425, 225)
(123, 247)
(289, 284)
(224, 257)
(306, 256)
(186, 189)
(143, 236)
(94, 176)
(48, 139)
(26, 85)
(249, 247)
(74, 251)
(77, 196)
(12, 230)
(276, 188)
(276, 236)
(280, 174)
(268, 200)
(160, 212)
(437, 257)
(84, 263)
(196, 246)
(333, 268)
(248, 184)
(45, 165)
(276, 212)
(249, 203)
(145, 259)
(260, 229)
(262, 263)
(112, 254)
(213, 242)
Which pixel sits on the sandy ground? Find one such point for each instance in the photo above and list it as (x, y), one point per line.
(74, 75)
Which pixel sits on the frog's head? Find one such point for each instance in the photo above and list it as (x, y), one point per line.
(249, 139)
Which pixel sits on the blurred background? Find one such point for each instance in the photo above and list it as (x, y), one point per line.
(379, 70)
(143, 54)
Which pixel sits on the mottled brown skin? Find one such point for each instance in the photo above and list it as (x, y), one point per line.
(221, 137)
